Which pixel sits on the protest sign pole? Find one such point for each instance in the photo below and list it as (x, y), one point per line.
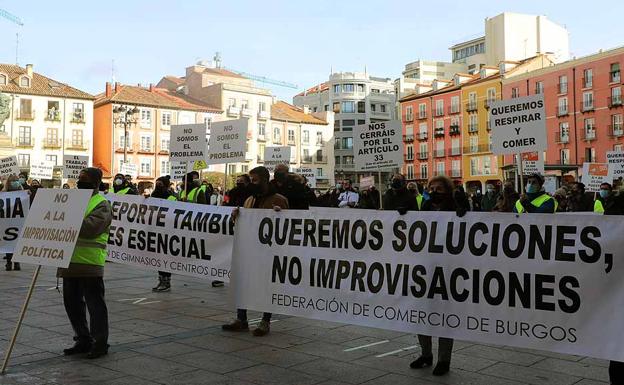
(380, 191)
(20, 319)
(520, 173)
(225, 178)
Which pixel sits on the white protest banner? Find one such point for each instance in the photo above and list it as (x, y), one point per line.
(545, 282)
(178, 171)
(533, 163)
(51, 229)
(8, 166)
(308, 173)
(378, 146)
(276, 155)
(182, 238)
(14, 209)
(367, 182)
(227, 141)
(518, 125)
(73, 164)
(188, 142)
(128, 168)
(41, 170)
(615, 159)
(595, 174)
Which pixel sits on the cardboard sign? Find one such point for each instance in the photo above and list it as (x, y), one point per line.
(188, 142)
(276, 155)
(15, 206)
(8, 166)
(73, 164)
(378, 146)
(129, 169)
(178, 171)
(533, 163)
(615, 159)
(518, 125)
(51, 229)
(41, 170)
(367, 182)
(308, 173)
(594, 174)
(227, 141)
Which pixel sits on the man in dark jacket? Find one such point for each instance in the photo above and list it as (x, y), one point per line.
(83, 283)
(237, 196)
(399, 197)
(291, 186)
(489, 199)
(578, 201)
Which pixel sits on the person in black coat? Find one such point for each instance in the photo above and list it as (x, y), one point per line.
(237, 196)
(399, 197)
(291, 186)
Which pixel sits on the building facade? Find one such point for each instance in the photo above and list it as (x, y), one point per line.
(48, 119)
(355, 98)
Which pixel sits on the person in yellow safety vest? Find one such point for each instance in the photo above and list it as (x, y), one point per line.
(83, 283)
(193, 191)
(607, 202)
(535, 199)
(162, 191)
(121, 186)
(413, 188)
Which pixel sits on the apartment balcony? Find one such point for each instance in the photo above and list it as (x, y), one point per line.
(455, 151)
(439, 153)
(562, 112)
(320, 159)
(145, 150)
(438, 112)
(259, 159)
(423, 155)
(408, 157)
(563, 161)
(78, 117)
(24, 115)
(477, 149)
(471, 106)
(422, 136)
(421, 176)
(588, 159)
(53, 116)
(616, 130)
(488, 102)
(343, 166)
(615, 76)
(408, 117)
(456, 173)
(589, 135)
(422, 115)
(438, 132)
(615, 101)
(52, 143)
(247, 113)
(263, 115)
(454, 130)
(586, 107)
(562, 138)
(233, 111)
(163, 151)
(306, 159)
(83, 145)
(119, 146)
(408, 138)
(261, 138)
(23, 164)
(453, 109)
(24, 142)
(562, 88)
(587, 82)
(473, 128)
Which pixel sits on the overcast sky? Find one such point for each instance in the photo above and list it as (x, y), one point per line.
(293, 41)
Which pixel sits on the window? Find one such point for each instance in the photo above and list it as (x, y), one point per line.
(146, 118)
(25, 109)
(564, 132)
(588, 101)
(291, 136)
(306, 155)
(166, 119)
(456, 168)
(347, 143)
(337, 160)
(539, 88)
(616, 125)
(319, 138)
(410, 171)
(440, 168)
(360, 87)
(590, 154)
(491, 95)
(165, 167)
(53, 113)
(306, 136)
(336, 88)
(409, 114)
(336, 125)
(473, 125)
(422, 110)
(423, 151)
(422, 130)
(245, 104)
(146, 167)
(231, 169)
(361, 121)
(24, 81)
(474, 144)
(260, 151)
(614, 74)
(336, 107)
(51, 136)
(319, 172)
(563, 106)
(23, 160)
(146, 142)
(373, 107)
(455, 146)
(261, 130)
(347, 160)
(383, 107)
(424, 174)
(326, 107)
(24, 136)
(348, 107)
(616, 96)
(319, 155)
(375, 90)
(165, 142)
(563, 84)
(3, 80)
(347, 124)
(454, 104)
(208, 120)
(515, 92)
(277, 135)
(588, 78)
(231, 102)
(77, 138)
(361, 107)
(51, 158)
(439, 107)
(244, 168)
(348, 87)
(618, 147)
(409, 150)
(590, 129)
(564, 155)
(78, 112)
(439, 148)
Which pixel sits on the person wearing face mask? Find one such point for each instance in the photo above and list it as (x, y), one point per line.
(291, 186)
(83, 283)
(507, 199)
(263, 196)
(12, 184)
(413, 189)
(606, 203)
(348, 198)
(162, 191)
(398, 197)
(488, 201)
(23, 179)
(121, 186)
(193, 191)
(535, 199)
(578, 200)
(441, 198)
(237, 196)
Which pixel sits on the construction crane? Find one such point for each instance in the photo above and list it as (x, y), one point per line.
(9, 16)
(258, 78)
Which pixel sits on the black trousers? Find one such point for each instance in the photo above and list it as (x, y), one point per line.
(80, 294)
(616, 372)
(164, 274)
(241, 315)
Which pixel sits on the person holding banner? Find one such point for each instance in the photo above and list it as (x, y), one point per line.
(162, 191)
(83, 283)
(12, 184)
(579, 201)
(193, 191)
(121, 186)
(535, 200)
(606, 202)
(263, 196)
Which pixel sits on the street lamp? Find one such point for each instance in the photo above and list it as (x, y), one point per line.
(125, 116)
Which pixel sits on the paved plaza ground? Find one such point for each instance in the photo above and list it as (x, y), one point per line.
(176, 338)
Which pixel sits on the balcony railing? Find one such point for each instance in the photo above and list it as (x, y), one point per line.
(53, 116)
(408, 117)
(162, 150)
(616, 130)
(562, 111)
(587, 107)
(52, 143)
(563, 161)
(615, 101)
(306, 159)
(259, 159)
(23, 164)
(423, 155)
(24, 142)
(438, 112)
(455, 173)
(438, 132)
(246, 112)
(477, 149)
(455, 151)
(615, 76)
(421, 176)
(473, 127)
(233, 111)
(588, 159)
(146, 150)
(422, 136)
(562, 138)
(119, 146)
(81, 145)
(320, 159)
(589, 135)
(409, 156)
(24, 115)
(454, 130)
(588, 82)
(263, 115)
(439, 153)
(78, 117)
(488, 102)
(408, 138)
(453, 109)
(471, 106)
(562, 88)
(422, 114)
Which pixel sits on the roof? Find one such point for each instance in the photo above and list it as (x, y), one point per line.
(40, 85)
(156, 97)
(414, 96)
(186, 102)
(322, 87)
(223, 72)
(177, 80)
(289, 113)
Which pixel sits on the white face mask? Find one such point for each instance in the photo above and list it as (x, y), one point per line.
(118, 182)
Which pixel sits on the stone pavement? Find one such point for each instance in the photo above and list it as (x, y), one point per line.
(175, 338)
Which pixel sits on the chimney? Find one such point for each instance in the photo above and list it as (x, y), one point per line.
(117, 87)
(306, 109)
(151, 87)
(109, 92)
(29, 70)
